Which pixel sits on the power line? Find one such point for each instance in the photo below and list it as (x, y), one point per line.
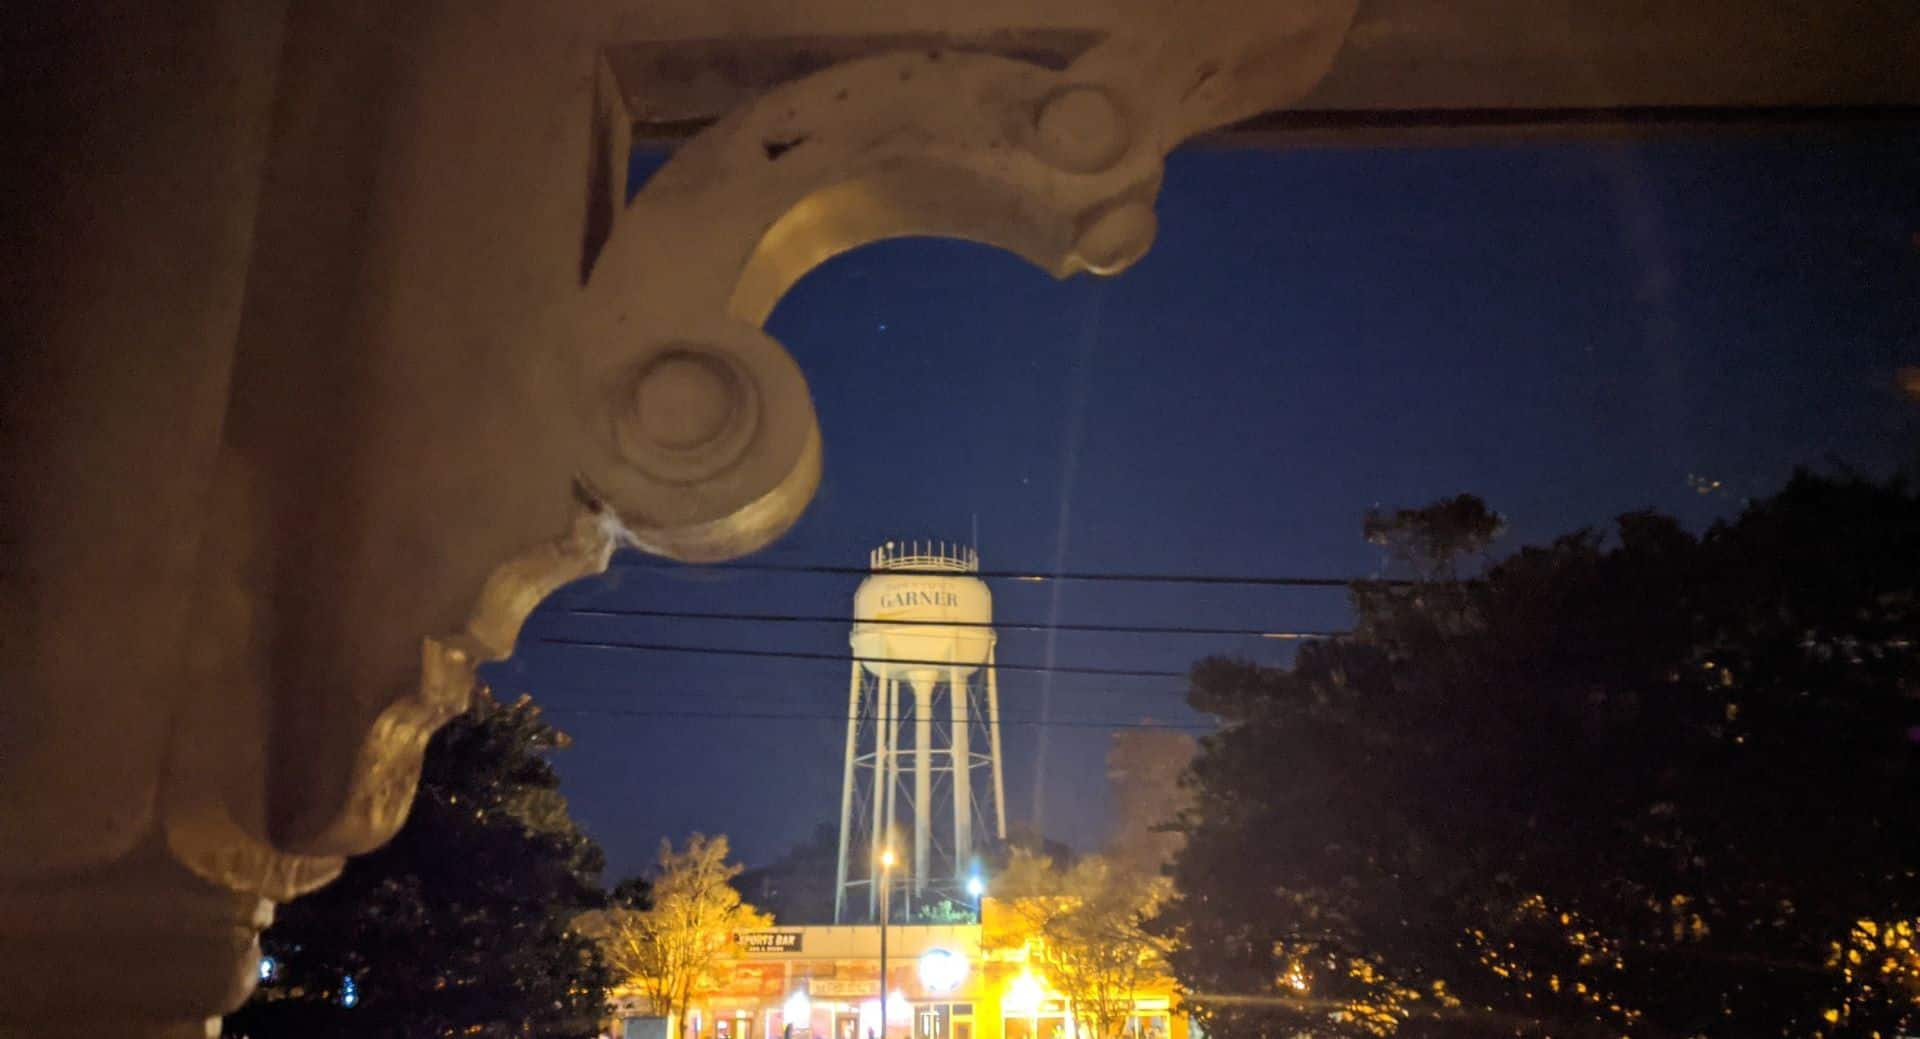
(1069, 723)
(1275, 581)
(1108, 629)
(784, 654)
(775, 695)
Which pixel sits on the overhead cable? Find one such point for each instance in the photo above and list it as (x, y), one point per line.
(799, 618)
(1264, 581)
(775, 695)
(1068, 723)
(786, 654)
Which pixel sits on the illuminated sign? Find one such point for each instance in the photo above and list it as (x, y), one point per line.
(942, 971)
(911, 597)
(770, 941)
(843, 987)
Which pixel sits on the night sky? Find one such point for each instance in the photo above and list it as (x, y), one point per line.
(1571, 331)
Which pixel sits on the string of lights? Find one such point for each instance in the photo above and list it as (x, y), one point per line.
(794, 654)
(803, 618)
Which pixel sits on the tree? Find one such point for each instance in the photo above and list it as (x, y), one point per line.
(631, 893)
(459, 925)
(1084, 926)
(798, 887)
(945, 911)
(1144, 767)
(674, 948)
(1434, 538)
(1646, 784)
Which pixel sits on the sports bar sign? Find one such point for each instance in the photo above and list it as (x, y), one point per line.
(770, 941)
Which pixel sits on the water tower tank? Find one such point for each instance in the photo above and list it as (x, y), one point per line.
(915, 626)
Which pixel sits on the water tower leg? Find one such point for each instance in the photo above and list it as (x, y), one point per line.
(882, 789)
(886, 835)
(896, 701)
(846, 792)
(922, 782)
(962, 776)
(993, 736)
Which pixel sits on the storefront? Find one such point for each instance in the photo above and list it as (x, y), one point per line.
(824, 982)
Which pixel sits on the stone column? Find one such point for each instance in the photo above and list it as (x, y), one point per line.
(136, 134)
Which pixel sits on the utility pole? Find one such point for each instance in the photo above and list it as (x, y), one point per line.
(886, 900)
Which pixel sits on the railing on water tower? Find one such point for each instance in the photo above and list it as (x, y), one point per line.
(943, 556)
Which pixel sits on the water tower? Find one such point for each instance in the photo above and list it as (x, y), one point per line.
(922, 668)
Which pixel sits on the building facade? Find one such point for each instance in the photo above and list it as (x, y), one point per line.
(947, 981)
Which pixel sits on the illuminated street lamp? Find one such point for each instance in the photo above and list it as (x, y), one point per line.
(1024, 994)
(975, 888)
(799, 1007)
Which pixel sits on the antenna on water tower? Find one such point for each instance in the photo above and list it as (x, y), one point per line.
(923, 647)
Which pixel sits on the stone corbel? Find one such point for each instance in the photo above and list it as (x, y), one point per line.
(695, 435)
(640, 381)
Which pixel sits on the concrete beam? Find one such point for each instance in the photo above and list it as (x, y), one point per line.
(1425, 71)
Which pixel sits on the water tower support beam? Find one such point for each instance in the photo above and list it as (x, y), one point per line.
(993, 734)
(846, 791)
(957, 693)
(880, 788)
(922, 781)
(889, 822)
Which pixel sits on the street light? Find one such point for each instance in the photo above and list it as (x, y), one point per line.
(975, 888)
(1024, 994)
(799, 1007)
(886, 901)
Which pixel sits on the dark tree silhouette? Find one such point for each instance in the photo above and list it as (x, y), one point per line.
(1646, 784)
(459, 926)
(797, 888)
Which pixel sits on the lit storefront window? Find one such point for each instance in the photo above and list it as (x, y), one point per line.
(738, 1026)
(797, 1012)
(943, 1021)
(899, 1015)
(1047, 1020)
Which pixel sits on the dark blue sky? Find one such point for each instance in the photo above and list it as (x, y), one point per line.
(1570, 331)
